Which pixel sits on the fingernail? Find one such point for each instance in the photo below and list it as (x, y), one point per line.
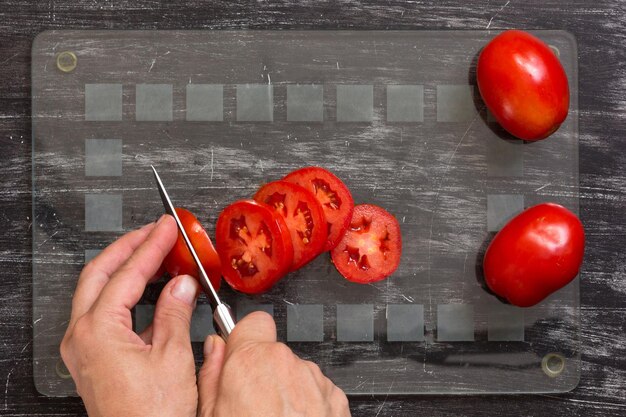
(161, 219)
(185, 289)
(208, 345)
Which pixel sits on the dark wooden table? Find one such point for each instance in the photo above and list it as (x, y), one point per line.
(600, 29)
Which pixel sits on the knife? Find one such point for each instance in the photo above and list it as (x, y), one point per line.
(222, 314)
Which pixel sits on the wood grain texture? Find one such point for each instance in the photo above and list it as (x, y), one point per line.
(600, 29)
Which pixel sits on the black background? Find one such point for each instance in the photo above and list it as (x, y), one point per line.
(600, 29)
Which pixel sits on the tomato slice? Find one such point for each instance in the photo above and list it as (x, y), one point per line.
(303, 215)
(334, 197)
(180, 262)
(254, 245)
(371, 248)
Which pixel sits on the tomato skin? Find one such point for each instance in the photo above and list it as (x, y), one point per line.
(254, 246)
(370, 250)
(303, 215)
(334, 197)
(523, 84)
(538, 252)
(180, 262)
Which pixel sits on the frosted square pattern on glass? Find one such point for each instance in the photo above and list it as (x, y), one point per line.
(455, 103)
(103, 102)
(91, 253)
(455, 323)
(305, 323)
(405, 103)
(501, 208)
(504, 157)
(205, 102)
(355, 103)
(144, 313)
(154, 103)
(103, 212)
(405, 323)
(201, 323)
(355, 323)
(506, 324)
(255, 103)
(103, 157)
(305, 103)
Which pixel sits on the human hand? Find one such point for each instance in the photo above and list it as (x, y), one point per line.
(117, 372)
(253, 375)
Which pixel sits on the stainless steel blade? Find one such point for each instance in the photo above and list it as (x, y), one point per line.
(214, 299)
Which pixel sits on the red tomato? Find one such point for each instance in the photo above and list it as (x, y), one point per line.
(254, 245)
(371, 248)
(180, 262)
(523, 84)
(535, 254)
(334, 197)
(303, 215)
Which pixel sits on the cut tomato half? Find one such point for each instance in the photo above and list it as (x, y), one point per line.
(254, 246)
(371, 248)
(303, 215)
(333, 196)
(180, 262)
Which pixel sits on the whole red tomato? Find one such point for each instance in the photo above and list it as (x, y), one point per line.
(523, 84)
(535, 254)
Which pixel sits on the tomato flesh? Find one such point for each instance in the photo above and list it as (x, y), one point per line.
(179, 260)
(254, 246)
(371, 248)
(523, 84)
(334, 197)
(303, 215)
(538, 252)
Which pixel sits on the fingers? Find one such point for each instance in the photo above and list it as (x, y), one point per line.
(172, 315)
(209, 375)
(256, 327)
(96, 273)
(127, 284)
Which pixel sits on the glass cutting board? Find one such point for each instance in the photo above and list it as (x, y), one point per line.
(395, 114)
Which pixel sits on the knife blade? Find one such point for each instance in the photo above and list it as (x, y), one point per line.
(222, 314)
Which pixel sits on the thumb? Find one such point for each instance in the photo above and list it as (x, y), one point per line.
(172, 316)
(209, 375)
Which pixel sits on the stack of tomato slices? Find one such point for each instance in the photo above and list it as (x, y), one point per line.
(287, 224)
